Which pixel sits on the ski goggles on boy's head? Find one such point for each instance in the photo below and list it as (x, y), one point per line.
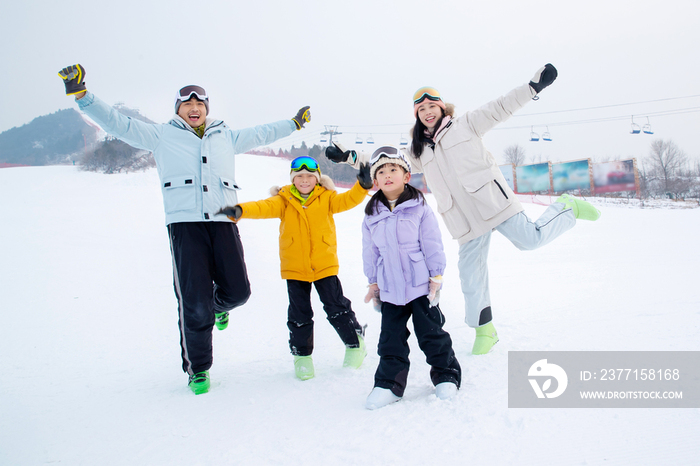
(186, 92)
(305, 163)
(423, 93)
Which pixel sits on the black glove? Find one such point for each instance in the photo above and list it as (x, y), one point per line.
(338, 156)
(543, 77)
(73, 79)
(363, 177)
(302, 116)
(234, 213)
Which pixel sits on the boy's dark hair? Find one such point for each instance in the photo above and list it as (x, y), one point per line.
(408, 193)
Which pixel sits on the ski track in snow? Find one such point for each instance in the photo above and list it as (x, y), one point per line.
(92, 375)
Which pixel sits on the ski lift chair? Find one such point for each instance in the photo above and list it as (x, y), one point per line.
(647, 128)
(403, 141)
(534, 137)
(546, 136)
(370, 139)
(358, 140)
(635, 128)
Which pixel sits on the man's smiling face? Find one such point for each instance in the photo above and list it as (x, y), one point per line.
(193, 112)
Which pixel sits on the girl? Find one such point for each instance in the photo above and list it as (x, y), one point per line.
(403, 260)
(472, 195)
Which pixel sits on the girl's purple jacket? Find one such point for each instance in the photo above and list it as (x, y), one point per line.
(401, 250)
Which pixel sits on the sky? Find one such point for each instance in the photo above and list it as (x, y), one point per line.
(357, 64)
(91, 357)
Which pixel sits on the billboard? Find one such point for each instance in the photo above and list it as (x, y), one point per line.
(615, 176)
(568, 176)
(534, 178)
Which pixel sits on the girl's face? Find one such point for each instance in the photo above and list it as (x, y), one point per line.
(429, 113)
(391, 179)
(305, 182)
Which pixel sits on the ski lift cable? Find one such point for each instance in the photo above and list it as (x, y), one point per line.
(606, 106)
(599, 120)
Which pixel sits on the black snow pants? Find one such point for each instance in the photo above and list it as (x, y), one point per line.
(300, 315)
(435, 342)
(209, 277)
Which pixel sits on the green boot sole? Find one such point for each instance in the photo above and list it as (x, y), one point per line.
(486, 337)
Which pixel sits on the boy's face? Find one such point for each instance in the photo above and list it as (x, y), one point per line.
(391, 179)
(193, 112)
(305, 182)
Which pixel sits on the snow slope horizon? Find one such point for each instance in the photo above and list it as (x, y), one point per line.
(92, 366)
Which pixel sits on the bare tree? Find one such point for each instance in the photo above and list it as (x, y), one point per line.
(666, 160)
(514, 154)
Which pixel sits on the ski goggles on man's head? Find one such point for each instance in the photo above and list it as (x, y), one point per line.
(305, 163)
(423, 93)
(186, 92)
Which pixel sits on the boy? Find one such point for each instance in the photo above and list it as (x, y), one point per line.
(308, 255)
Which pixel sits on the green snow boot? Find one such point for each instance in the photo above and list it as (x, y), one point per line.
(582, 209)
(486, 337)
(304, 367)
(355, 356)
(199, 383)
(221, 320)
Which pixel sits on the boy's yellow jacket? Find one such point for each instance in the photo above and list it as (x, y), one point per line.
(308, 246)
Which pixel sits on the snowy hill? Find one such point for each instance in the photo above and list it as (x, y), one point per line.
(91, 365)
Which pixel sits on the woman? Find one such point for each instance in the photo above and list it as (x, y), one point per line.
(472, 195)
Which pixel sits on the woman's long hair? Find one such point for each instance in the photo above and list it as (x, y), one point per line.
(408, 193)
(419, 139)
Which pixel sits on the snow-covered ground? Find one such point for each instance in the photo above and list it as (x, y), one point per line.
(91, 362)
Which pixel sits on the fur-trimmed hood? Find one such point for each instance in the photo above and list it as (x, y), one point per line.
(326, 182)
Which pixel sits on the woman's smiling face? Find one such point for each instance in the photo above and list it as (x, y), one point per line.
(429, 113)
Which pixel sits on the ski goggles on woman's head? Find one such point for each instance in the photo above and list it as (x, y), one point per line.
(186, 92)
(423, 93)
(305, 163)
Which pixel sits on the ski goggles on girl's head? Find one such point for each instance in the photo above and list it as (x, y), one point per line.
(186, 92)
(305, 163)
(386, 151)
(423, 93)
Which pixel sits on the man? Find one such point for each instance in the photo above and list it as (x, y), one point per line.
(196, 165)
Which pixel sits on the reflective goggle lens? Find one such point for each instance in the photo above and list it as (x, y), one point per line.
(186, 92)
(426, 93)
(304, 162)
(385, 151)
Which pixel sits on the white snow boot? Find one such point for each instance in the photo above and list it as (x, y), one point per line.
(445, 390)
(380, 397)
